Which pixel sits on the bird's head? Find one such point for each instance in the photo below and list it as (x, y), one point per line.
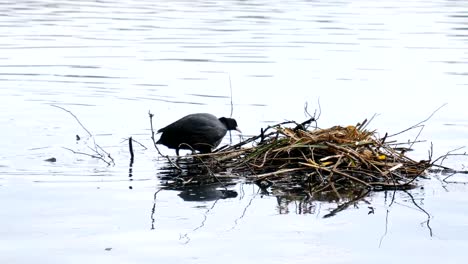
(230, 123)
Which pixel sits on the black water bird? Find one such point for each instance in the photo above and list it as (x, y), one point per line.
(202, 132)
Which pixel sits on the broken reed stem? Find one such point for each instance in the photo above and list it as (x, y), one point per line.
(130, 147)
(420, 123)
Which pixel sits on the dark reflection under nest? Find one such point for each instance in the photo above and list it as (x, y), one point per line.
(196, 184)
(304, 204)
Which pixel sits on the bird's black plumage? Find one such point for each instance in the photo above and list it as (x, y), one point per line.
(202, 132)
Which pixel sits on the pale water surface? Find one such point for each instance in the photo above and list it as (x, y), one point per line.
(110, 62)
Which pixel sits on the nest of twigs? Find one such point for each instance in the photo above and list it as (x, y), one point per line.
(312, 160)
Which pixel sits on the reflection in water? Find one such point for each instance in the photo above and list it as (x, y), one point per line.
(324, 204)
(206, 193)
(305, 204)
(301, 205)
(195, 183)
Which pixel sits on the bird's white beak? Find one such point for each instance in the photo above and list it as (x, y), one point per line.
(238, 130)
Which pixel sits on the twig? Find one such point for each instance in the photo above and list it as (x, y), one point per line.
(76, 118)
(96, 146)
(155, 145)
(445, 179)
(79, 122)
(366, 123)
(89, 155)
(449, 153)
(105, 152)
(102, 155)
(416, 138)
(313, 117)
(420, 123)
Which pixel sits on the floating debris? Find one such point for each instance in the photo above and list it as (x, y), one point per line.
(51, 159)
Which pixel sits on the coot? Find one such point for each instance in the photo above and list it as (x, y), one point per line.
(202, 132)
